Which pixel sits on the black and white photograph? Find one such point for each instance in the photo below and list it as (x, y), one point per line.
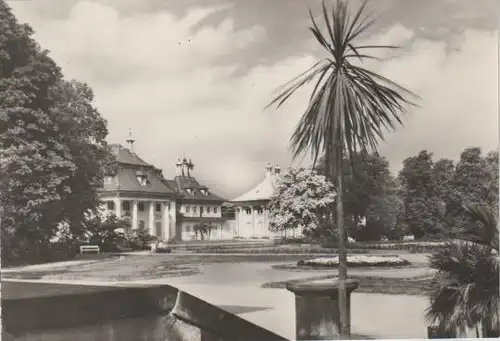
(252, 170)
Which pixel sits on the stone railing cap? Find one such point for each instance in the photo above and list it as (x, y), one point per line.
(321, 286)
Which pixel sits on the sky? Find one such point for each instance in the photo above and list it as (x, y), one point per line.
(191, 78)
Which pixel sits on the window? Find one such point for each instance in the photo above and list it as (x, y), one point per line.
(260, 210)
(188, 228)
(158, 207)
(201, 209)
(140, 207)
(143, 180)
(111, 205)
(248, 210)
(215, 209)
(187, 209)
(142, 224)
(126, 205)
(194, 209)
(208, 209)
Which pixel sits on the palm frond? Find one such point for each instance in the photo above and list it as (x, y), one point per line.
(485, 230)
(349, 105)
(465, 286)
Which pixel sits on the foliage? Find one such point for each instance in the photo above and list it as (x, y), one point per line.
(105, 231)
(465, 291)
(141, 239)
(474, 182)
(203, 229)
(349, 110)
(372, 193)
(420, 197)
(51, 143)
(302, 199)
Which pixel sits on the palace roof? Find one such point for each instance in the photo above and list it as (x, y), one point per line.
(264, 189)
(135, 175)
(132, 170)
(190, 189)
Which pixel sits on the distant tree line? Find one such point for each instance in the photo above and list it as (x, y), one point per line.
(425, 199)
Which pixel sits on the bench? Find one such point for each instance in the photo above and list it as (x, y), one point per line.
(89, 248)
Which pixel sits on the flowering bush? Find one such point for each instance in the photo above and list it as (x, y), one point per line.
(355, 261)
(303, 198)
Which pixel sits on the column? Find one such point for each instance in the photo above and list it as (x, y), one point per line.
(237, 215)
(118, 207)
(152, 220)
(135, 215)
(166, 222)
(252, 212)
(266, 226)
(317, 315)
(173, 220)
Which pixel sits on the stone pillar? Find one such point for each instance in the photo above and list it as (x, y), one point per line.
(118, 207)
(135, 215)
(237, 215)
(317, 315)
(173, 220)
(152, 218)
(166, 222)
(252, 212)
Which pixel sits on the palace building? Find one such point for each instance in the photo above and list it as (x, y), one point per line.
(252, 216)
(138, 193)
(196, 205)
(168, 209)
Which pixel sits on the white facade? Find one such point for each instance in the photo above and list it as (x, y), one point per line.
(158, 216)
(252, 216)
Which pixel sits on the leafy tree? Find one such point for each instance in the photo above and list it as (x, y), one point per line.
(443, 174)
(83, 130)
(384, 212)
(141, 238)
(371, 193)
(303, 198)
(493, 191)
(350, 108)
(51, 143)
(203, 229)
(471, 184)
(421, 200)
(105, 231)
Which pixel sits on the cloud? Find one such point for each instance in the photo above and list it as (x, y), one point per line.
(181, 90)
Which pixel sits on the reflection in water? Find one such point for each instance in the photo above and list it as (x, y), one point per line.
(152, 328)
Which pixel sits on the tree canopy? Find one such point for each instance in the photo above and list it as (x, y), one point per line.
(303, 198)
(52, 142)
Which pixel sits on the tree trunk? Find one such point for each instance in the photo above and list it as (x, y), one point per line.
(345, 328)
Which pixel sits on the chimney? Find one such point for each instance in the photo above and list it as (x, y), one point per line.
(277, 170)
(190, 167)
(269, 170)
(178, 167)
(130, 141)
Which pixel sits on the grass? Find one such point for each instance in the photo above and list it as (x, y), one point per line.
(415, 286)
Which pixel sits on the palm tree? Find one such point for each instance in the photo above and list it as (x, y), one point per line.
(465, 291)
(349, 110)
